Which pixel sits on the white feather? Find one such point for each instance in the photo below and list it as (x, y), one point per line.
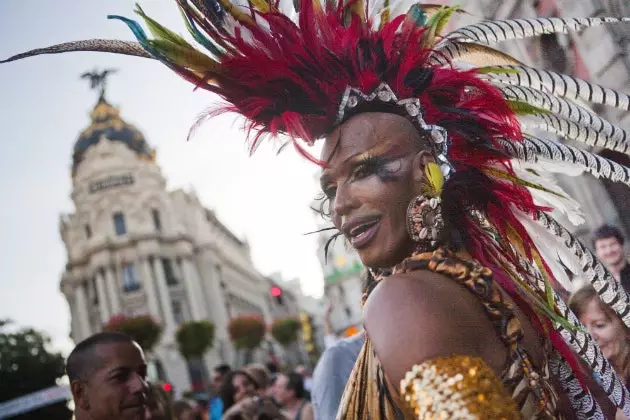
(555, 254)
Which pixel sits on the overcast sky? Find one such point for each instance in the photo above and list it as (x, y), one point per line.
(44, 106)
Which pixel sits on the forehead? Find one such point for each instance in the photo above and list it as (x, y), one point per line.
(367, 131)
(124, 354)
(594, 309)
(241, 379)
(607, 241)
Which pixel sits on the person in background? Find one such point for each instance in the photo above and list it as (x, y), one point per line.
(307, 377)
(183, 410)
(107, 373)
(605, 326)
(251, 395)
(158, 404)
(330, 338)
(290, 393)
(334, 367)
(332, 373)
(216, 405)
(608, 243)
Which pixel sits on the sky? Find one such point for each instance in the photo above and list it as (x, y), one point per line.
(44, 105)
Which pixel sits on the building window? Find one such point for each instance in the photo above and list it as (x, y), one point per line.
(88, 231)
(119, 224)
(178, 312)
(157, 223)
(131, 282)
(169, 273)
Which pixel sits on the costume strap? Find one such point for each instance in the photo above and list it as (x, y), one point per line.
(456, 387)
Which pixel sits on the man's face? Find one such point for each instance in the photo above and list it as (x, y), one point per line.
(117, 389)
(609, 251)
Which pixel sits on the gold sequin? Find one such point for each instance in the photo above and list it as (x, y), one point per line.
(457, 387)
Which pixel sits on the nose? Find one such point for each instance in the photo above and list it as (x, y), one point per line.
(139, 385)
(344, 201)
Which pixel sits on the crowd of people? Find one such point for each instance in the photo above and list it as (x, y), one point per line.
(107, 372)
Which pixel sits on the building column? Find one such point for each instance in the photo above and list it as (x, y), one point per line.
(114, 290)
(82, 312)
(102, 297)
(149, 288)
(165, 296)
(193, 289)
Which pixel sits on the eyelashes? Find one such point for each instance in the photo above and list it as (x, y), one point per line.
(387, 169)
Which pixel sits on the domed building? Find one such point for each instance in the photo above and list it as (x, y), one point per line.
(135, 248)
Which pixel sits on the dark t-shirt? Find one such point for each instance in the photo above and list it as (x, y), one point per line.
(624, 277)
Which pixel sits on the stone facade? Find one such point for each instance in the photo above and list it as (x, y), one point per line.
(136, 248)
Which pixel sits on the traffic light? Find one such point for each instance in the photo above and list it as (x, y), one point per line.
(276, 293)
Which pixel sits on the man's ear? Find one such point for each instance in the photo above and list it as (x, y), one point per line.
(419, 163)
(80, 395)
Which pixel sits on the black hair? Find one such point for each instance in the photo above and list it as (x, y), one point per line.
(223, 369)
(272, 367)
(226, 392)
(295, 383)
(606, 232)
(83, 361)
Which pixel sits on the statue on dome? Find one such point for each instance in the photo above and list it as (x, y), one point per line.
(98, 80)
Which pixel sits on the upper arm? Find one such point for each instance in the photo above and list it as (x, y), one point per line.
(415, 317)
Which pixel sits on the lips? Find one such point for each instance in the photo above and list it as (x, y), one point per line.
(361, 230)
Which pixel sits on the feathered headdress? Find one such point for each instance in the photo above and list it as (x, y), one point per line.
(302, 75)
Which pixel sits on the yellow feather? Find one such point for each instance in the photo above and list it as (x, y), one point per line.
(260, 5)
(435, 179)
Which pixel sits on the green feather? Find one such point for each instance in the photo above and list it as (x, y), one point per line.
(523, 108)
(160, 32)
(185, 56)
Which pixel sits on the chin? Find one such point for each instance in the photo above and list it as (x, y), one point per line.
(372, 258)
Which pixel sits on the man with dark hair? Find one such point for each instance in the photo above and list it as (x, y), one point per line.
(216, 406)
(289, 391)
(608, 243)
(107, 373)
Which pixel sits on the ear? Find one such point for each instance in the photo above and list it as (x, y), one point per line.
(419, 164)
(80, 394)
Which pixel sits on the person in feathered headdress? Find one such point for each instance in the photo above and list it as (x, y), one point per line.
(431, 177)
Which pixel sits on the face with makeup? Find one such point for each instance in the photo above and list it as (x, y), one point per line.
(375, 167)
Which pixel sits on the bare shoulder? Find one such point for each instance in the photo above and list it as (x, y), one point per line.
(417, 316)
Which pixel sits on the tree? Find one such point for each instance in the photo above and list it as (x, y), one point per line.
(194, 339)
(246, 333)
(285, 331)
(26, 366)
(143, 329)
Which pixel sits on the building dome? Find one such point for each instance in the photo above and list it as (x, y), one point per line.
(106, 122)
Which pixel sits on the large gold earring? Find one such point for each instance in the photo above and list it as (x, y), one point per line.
(424, 221)
(424, 213)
